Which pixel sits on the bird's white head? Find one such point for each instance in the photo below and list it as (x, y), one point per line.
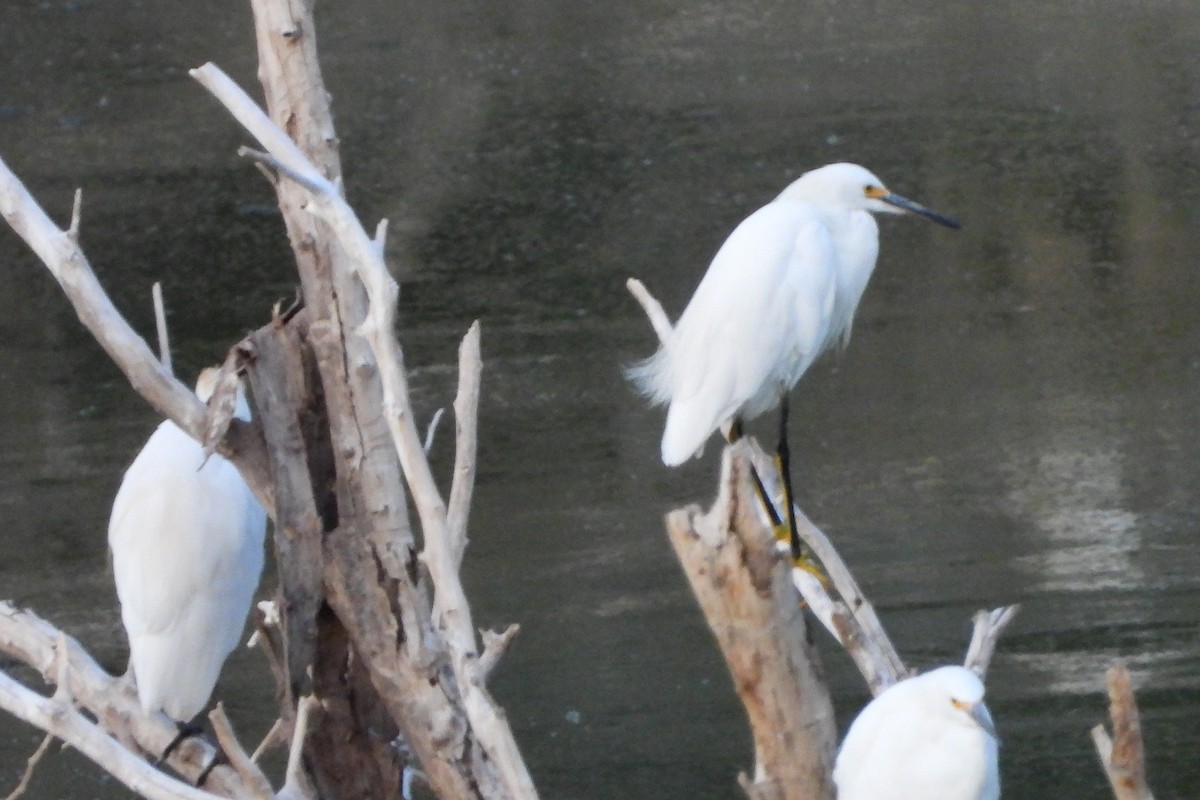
(958, 692)
(854, 188)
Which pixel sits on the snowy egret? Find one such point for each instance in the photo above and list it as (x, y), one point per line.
(925, 738)
(187, 549)
(780, 291)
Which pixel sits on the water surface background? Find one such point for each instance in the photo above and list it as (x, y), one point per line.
(1014, 421)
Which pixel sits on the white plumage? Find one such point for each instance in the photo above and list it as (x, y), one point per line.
(187, 551)
(781, 290)
(926, 738)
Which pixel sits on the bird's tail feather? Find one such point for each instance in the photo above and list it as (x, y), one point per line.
(651, 376)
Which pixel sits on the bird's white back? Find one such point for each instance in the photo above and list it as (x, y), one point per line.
(187, 550)
(776, 295)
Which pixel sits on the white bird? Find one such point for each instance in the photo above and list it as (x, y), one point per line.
(187, 548)
(925, 738)
(781, 290)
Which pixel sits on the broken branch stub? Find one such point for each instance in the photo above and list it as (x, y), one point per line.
(745, 591)
(1123, 755)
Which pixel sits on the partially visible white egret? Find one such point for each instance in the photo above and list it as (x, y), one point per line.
(187, 548)
(781, 290)
(925, 738)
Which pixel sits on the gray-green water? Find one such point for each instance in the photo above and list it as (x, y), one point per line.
(1014, 421)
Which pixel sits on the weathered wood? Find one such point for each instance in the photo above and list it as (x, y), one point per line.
(350, 752)
(484, 754)
(987, 626)
(1123, 755)
(374, 584)
(466, 411)
(111, 701)
(282, 388)
(842, 606)
(745, 590)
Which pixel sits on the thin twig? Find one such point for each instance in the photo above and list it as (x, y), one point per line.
(653, 309)
(494, 645)
(76, 216)
(30, 765)
(160, 323)
(265, 624)
(431, 430)
(251, 775)
(466, 415)
(274, 737)
(252, 117)
(296, 785)
(988, 626)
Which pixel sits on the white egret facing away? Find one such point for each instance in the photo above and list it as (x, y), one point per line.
(187, 549)
(925, 738)
(781, 290)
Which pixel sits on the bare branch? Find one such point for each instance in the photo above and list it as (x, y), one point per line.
(653, 309)
(64, 722)
(251, 775)
(1123, 756)
(380, 240)
(160, 324)
(296, 785)
(30, 765)
(254, 120)
(76, 215)
(989, 625)
(112, 701)
(275, 736)
(494, 645)
(466, 412)
(61, 254)
(431, 430)
(221, 405)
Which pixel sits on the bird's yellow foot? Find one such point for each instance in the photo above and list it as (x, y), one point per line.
(805, 562)
(783, 533)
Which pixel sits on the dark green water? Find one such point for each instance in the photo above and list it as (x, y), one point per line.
(1014, 421)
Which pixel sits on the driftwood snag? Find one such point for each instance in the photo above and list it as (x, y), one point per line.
(745, 590)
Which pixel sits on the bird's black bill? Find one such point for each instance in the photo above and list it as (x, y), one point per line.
(916, 208)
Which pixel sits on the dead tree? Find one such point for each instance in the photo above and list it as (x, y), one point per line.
(374, 622)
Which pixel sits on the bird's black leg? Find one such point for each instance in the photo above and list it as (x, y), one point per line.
(218, 758)
(186, 730)
(801, 558)
(735, 433)
(783, 454)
